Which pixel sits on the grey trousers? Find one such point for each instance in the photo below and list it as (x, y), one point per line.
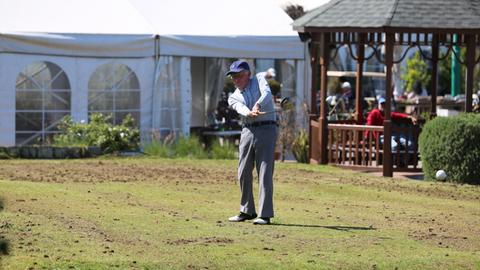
(257, 146)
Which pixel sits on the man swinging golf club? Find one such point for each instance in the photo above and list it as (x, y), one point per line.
(251, 99)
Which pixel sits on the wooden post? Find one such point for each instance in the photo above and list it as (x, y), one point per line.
(314, 150)
(433, 94)
(387, 123)
(324, 57)
(470, 66)
(314, 65)
(358, 84)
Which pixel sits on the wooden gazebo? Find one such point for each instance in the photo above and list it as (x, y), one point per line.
(380, 25)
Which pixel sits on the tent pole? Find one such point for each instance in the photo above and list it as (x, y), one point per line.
(154, 87)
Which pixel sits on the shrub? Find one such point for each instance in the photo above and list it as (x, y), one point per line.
(227, 151)
(99, 132)
(158, 149)
(451, 144)
(190, 147)
(286, 131)
(300, 147)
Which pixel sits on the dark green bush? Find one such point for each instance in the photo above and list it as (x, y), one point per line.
(452, 144)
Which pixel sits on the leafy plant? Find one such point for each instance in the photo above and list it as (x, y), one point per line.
(99, 132)
(445, 73)
(286, 131)
(451, 144)
(226, 151)
(158, 149)
(415, 72)
(190, 147)
(300, 146)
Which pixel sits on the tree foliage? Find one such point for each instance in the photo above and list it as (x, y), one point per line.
(415, 72)
(294, 11)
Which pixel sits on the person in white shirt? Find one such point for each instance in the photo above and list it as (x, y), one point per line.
(253, 101)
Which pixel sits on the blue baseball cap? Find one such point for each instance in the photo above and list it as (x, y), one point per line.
(381, 100)
(238, 66)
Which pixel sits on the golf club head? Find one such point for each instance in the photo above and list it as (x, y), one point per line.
(286, 104)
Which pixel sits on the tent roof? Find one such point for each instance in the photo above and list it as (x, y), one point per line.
(216, 18)
(72, 17)
(435, 15)
(208, 28)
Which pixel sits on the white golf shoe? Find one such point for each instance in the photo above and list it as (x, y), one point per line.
(241, 217)
(261, 221)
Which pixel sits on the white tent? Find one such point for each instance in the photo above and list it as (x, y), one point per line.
(158, 60)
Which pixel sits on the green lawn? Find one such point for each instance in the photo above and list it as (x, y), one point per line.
(140, 213)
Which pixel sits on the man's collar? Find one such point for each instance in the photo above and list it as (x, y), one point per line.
(247, 86)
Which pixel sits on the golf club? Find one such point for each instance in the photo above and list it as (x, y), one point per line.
(286, 104)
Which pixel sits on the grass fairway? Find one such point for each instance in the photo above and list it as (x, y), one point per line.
(141, 213)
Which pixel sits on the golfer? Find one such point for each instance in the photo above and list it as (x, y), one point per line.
(253, 100)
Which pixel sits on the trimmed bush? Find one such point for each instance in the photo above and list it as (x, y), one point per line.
(452, 144)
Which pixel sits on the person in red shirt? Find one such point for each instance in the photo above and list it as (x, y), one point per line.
(376, 118)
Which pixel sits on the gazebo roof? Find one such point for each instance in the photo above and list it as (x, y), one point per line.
(405, 15)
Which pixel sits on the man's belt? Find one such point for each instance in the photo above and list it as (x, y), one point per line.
(259, 124)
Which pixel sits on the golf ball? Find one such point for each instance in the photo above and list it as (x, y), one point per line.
(441, 175)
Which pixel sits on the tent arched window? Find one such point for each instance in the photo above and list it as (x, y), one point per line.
(42, 100)
(113, 89)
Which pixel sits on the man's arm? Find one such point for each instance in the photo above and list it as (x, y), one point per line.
(265, 92)
(237, 103)
(400, 116)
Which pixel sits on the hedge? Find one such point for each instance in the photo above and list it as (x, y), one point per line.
(452, 144)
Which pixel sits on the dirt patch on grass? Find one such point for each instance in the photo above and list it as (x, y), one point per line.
(201, 241)
(107, 171)
(437, 229)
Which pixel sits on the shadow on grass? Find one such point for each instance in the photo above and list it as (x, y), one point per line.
(338, 228)
(4, 244)
(4, 247)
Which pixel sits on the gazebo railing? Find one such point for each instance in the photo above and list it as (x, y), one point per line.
(348, 145)
(359, 146)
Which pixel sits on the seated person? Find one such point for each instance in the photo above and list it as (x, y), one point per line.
(376, 118)
(347, 97)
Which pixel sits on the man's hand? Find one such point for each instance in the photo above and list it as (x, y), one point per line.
(414, 120)
(255, 111)
(256, 108)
